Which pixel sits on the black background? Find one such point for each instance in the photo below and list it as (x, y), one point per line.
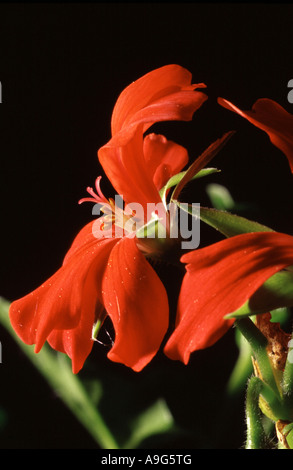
(62, 67)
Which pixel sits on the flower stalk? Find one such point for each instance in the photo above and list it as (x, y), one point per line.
(258, 343)
(256, 437)
(287, 382)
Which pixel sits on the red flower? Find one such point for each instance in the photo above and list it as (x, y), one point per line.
(219, 280)
(271, 118)
(102, 275)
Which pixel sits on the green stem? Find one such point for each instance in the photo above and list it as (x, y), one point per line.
(57, 371)
(287, 383)
(276, 406)
(288, 379)
(258, 344)
(256, 438)
(242, 368)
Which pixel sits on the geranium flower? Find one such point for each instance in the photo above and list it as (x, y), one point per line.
(109, 275)
(269, 116)
(220, 278)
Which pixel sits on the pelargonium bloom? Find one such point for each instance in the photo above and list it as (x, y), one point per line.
(104, 275)
(220, 278)
(272, 118)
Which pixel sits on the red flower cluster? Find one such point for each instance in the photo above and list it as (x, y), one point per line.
(103, 275)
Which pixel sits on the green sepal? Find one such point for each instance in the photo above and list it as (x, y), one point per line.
(153, 229)
(289, 437)
(288, 428)
(226, 223)
(175, 180)
(229, 224)
(275, 293)
(96, 329)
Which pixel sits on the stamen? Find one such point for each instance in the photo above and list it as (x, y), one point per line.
(113, 215)
(96, 198)
(98, 188)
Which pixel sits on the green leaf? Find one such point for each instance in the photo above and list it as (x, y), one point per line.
(56, 369)
(281, 315)
(275, 293)
(155, 420)
(220, 197)
(174, 180)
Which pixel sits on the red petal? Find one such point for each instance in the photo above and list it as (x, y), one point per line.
(219, 279)
(136, 301)
(77, 343)
(178, 106)
(162, 95)
(269, 116)
(58, 303)
(151, 87)
(92, 232)
(164, 158)
(127, 170)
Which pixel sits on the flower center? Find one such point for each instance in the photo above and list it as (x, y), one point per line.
(114, 215)
(152, 230)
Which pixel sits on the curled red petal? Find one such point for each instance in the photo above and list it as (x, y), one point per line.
(272, 118)
(219, 280)
(77, 343)
(153, 86)
(127, 170)
(178, 106)
(164, 158)
(137, 303)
